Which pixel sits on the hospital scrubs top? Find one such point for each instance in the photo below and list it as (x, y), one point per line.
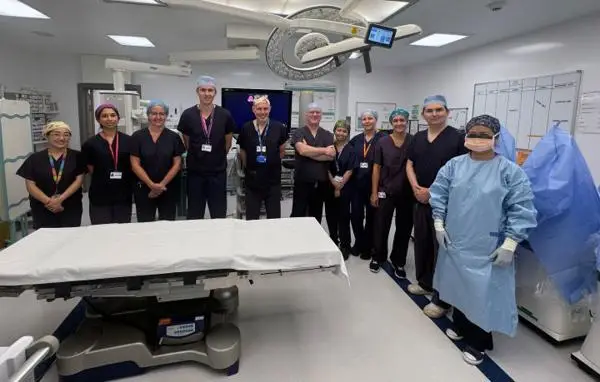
(362, 175)
(307, 169)
(37, 169)
(105, 191)
(429, 157)
(190, 124)
(345, 160)
(156, 158)
(269, 173)
(392, 159)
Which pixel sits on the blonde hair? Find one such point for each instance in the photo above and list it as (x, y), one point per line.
(55, 125)
(261, 98)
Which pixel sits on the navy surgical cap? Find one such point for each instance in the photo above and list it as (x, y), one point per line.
(155, 103)
(399, 111)
(484, 120)
(370, 112)
(439, 99)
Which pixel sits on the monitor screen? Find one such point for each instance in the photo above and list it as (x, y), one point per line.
(239, 103)
(380, 35)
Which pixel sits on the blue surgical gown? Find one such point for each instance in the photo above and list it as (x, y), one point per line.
(481, 203)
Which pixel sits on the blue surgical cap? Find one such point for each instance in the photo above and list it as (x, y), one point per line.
(155, 103)
(398, 111)
(370, 112)
(484, 120)
(206, 81)
(313, 106)
(439, 99)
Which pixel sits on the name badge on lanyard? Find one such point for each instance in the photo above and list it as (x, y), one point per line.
(366, 149)
(261, 148)
(115, 174)
(57, 176)
(207, 129)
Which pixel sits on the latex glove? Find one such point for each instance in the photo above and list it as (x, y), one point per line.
(440, 234)
(504, 255)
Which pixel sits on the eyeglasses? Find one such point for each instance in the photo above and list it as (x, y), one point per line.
(480, 135)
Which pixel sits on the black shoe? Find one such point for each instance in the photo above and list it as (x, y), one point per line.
(472, 356)
(345, 252)
(354, 251)
(399, 271)
(366, 255)
(374, 266)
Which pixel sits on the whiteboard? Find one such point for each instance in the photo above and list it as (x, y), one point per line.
(458, 117)
(383, 109)
(528, 107)
(323, 96)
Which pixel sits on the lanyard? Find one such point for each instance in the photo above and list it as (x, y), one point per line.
(337, 159)
(366, 148)
(260, 137)
(115, 153)
(57, 176)
(208, 129)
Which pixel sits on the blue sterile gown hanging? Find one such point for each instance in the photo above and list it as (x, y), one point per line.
(568, 207)
(482, 203)
(506, 146)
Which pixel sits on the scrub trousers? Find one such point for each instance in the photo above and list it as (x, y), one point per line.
(361, 208)
(472, 334)
(117, 213)
(165, 203)
(337, 214)
(426, 250)
(403, 205)
(270, 195)
(308, 199)
(203, 189)
(70, 217)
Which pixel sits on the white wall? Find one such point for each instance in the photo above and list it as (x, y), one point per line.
(578, 48)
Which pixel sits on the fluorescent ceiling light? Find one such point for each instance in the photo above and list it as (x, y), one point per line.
(143, 2)
(15, 8)
(132, 41)
(534, 48)
(438, 39)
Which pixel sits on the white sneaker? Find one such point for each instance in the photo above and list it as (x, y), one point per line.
(472, 356)
(434, 311)
(417, 290)
(453, 335)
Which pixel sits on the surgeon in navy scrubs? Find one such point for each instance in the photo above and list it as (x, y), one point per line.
(107, 158)
(364, 145)
(262, 146)
(337, 205)
(207, 132)
(156, 160)
(53, 178)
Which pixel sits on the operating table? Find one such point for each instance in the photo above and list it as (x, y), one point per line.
(159, 293)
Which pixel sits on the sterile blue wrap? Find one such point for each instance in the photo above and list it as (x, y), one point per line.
(568, 206)
(507, 146)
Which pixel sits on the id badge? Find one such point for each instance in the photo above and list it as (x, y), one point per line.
(207, 148)
(381, 195)
(116, 175)
(364, 165)
(261, 149)
(338, 179)
(261, 159)
(258, 149)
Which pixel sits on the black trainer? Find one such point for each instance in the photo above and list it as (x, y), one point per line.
(399, 271)
(345, 252)
(472, 356)
(374, 266)
(366, 255)
(354, 251)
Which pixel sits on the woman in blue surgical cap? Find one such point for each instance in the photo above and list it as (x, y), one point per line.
(483, 208)
(362, 213)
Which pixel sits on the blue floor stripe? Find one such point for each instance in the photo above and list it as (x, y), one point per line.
(488, 367)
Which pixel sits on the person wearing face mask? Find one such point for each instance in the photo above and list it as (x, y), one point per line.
(156, 160)
(362, 213)
(390, 191)
(483, 208)
(53, 178)
(314, 150)
(429, 151)
(262, 146)
(337, 205)
(207, 132)
(107, 158)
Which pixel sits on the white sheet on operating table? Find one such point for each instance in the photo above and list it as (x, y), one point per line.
(145, 249)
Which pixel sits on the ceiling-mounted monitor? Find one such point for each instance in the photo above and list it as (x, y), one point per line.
(380, 35)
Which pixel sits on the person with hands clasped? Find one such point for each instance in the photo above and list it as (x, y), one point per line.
(483, 208)
(390, 191)
(53, 178)
(156, 160)
(337, 204)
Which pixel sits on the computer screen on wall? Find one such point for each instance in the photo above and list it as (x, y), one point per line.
(239, 103)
